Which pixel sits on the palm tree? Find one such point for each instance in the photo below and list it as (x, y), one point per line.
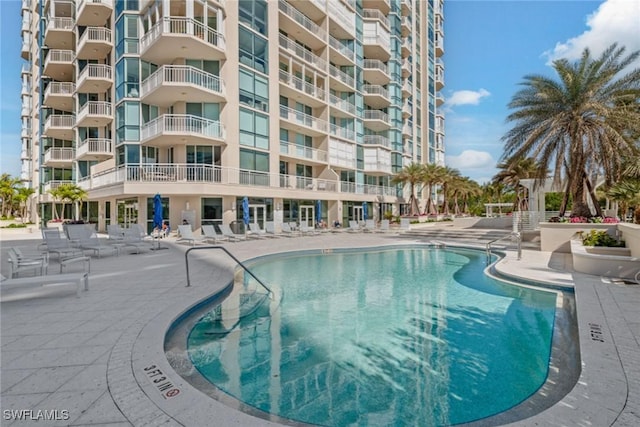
(68, 193)
(8, 189)
(510, 174)
(583, 122)
(412, 175)
(22, 197)
(449, 175)
(627, 193)
(431, 176)
(468, 188)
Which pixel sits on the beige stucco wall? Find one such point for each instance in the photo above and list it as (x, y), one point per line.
(630, 233)
(554, 237)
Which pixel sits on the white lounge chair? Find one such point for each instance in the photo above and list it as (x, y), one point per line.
(210, 235)
(256, 232)
(227, 232)
(115, 232)
(354, 227)
(384, 226)
(78, 278)
(405, 224)
(18, 265)
(55, 243)
(307, 231)
(270, 229)
(132, 239)
(369, 225)
(187, 235)
(288, 231)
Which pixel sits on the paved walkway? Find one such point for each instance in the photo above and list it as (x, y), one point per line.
(88, 355)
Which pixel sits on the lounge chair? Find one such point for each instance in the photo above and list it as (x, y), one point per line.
(369, 225)
(55, 243)
(255, 231)
(305, 230)
(210, 235)
(405, 224)
(132, 239)
(115, 232)
(18, 265)
(78, 278)
(354, 227)
(187, 235)
(270, 229)
(227, 232)
(384, 226)
(288, 231)
(87, 240)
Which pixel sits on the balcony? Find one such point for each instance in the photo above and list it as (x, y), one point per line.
(95, 78)
(58, 156)
(341, 81)
(339, 53)
(342, 107)
(95, 43)
(314, 9)
(301, 53)
(439, 46)
(344, 133)
(292, 21)
(407, 129)
(376, 120)
(439, 99)
(377, 140)
(93, 12)
(406, 47)
(407, 89)
(26, 69)
(342, 155)
(173, 34)
(53, 184)
(406, 67)
(295, 88)
(306, 155)
(439, 74)
(376, 96)
(171, 129)
(406, 110)
(58, 65)
(405, 7)
(59, 95)
(376, 42)
(60, 126)
(374, 15)
(342, 21)
(94, 149)
(377, 161)
(59, 33)
(301, 122)
(174, 83)
(25, 50)
(382, 5)
(376, 72)
(405, 26)
(95, 114)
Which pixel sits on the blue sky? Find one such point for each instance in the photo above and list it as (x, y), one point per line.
(489, 47)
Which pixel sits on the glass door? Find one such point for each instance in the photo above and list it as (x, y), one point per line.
(307, 215)
(357, 214)
(258, 215)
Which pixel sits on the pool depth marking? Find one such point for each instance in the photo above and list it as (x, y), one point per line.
(596, 332)
(161, 381)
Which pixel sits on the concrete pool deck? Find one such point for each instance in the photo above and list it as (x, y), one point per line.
(92, 356)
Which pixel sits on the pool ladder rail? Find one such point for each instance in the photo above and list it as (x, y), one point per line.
(514, 236)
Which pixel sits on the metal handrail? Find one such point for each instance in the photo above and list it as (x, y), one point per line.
(515, 234)
(244, 267)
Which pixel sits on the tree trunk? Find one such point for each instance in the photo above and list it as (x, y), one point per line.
(592, 194)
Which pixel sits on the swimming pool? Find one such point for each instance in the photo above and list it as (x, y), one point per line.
(378, 337)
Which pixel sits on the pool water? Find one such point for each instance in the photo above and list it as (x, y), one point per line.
(411, 336)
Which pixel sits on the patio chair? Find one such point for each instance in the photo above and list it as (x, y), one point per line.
(53, 279)
(305, 230)
(186, 235)
(211, 236)
(227, 232)
(88, 241)
(55, 243)
(405, 224)
(115, 232)
(369, 226)
(270, 229)
(17, 265)
(288, 231)
(132, 239)
(384, 226)
(255, 231)
(354, 227)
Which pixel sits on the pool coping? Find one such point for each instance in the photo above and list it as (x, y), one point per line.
(598, 398)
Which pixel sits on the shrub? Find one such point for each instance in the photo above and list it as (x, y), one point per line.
(16, 226)
(600, 238)
(388, 215)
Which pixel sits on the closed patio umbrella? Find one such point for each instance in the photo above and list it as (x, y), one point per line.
(364, 211)
(157, 211)
(245, 212)
(318, 211)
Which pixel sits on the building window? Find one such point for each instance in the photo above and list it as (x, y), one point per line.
(254, 14)
(211, 211)
(254, 160)
(254, 129)
(254, 90)
(127, 78)
(127, 35)
(253, 50)
(128, 122)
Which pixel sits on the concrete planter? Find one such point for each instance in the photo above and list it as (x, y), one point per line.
(604, 261)
(555, 237)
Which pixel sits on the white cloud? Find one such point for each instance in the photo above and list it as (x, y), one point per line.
(614, 21)
(467, 97)
(471, 159)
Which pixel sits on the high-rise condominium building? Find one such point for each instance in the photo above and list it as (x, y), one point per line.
(306, 108)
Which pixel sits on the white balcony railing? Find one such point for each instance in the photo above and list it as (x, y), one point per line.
(303, 119)
(60, 89)
(343, 104)
(60, 121)
(182, 74)
(95, 108)
(182, 124)
(342, 15)
(302, 152)
(376, 115)
(375, 64)
(181, 25)
(302, 53)
(95, 35)
(342, 132)
(377, 140)
(302, 19)
(54, 184)
(343, 49)
(94, 146)
(96, 71)
(376, 14)
(302, 85)
(59, 154)
(375, 90)
(60, 24)
(60, 55)
(342, 76)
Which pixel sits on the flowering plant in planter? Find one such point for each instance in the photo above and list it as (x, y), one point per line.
(585, 220)
(600, 238)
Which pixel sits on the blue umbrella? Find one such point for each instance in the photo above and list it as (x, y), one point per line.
(245, 211)
(157, 211)
(318, 211)
(364, 210)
